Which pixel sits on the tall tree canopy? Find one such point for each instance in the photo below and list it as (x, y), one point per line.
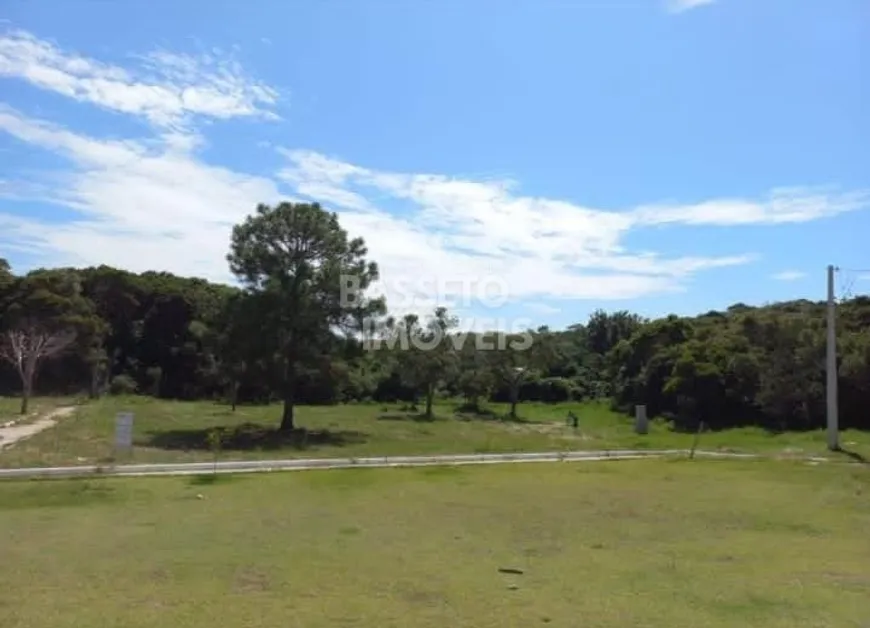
(310, 280)
(426, 355)
(44, 314)
(290, 335)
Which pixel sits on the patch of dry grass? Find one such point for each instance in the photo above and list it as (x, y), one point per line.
(10, 408)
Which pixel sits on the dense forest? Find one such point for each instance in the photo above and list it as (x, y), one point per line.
(285, 334)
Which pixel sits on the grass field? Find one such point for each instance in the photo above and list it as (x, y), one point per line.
(639, 543)
(167, 431)
(10, 408)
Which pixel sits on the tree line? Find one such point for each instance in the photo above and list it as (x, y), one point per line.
(289, 332)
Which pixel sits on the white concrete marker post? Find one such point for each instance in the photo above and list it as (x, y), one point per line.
(831, 366)
(124, 432)
(641, 424)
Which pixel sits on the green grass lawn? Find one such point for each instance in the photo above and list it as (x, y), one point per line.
(653, 544)
(168, 431)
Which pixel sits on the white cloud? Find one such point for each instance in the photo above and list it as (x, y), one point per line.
(154, 204)
(472, 232)
(542, 308)
(680, 6)
(139, 207)
(168, 90)
(783, 205)
(789, 275)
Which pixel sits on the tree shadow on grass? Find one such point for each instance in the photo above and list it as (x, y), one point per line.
(210, 479)
(417, 417)
(854, 455)
(252, 437)
(468, 412)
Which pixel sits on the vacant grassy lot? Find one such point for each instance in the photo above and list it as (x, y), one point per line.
(167, 431)
(640, 543)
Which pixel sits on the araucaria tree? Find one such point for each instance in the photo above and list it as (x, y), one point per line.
(308, 279)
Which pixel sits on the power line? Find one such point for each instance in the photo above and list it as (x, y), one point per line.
(849, 277)
(846, 288)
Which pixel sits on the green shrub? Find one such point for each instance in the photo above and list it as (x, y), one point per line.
(548, 390)
(123, 385)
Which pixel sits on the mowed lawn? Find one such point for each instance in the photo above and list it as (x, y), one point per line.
(609, 544)
(173, 431)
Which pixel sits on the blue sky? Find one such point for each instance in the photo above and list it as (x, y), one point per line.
(659, 156)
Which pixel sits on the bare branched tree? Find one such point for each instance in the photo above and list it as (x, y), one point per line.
(26, 347)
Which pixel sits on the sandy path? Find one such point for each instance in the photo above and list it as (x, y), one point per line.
(11, 435)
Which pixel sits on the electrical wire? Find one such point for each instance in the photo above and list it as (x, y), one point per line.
(850, 276)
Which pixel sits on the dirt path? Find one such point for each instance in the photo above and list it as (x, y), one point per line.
(11, 435)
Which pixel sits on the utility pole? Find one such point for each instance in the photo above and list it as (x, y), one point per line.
(831, 369)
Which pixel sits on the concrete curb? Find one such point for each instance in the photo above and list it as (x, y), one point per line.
(253, 466)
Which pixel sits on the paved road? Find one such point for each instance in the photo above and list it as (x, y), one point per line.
(11, 435)
(251, 466)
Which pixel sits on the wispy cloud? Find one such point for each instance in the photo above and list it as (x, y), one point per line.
(542, 308)
(154, 203)
(146, 205)
(143, 205)
(680, 6)
(789, 275)
(138, 205)
(465, 229)
(781, 206)
(167, 89)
